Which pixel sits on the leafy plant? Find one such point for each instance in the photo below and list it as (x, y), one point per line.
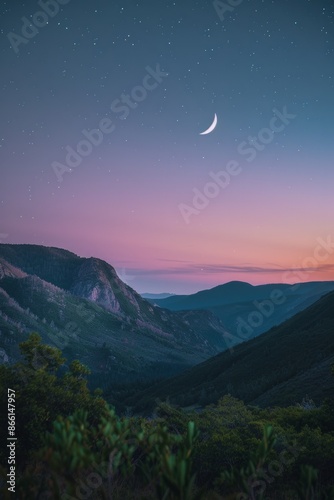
(247, 478)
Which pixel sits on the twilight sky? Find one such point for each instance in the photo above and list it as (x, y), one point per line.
(170, 209)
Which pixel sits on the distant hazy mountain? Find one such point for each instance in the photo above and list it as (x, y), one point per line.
(280, 367)
(250, 310)
(81, 306)
(156, 295)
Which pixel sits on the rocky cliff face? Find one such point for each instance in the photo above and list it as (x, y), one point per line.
(83, 305)
(95, 284)
(7, 270)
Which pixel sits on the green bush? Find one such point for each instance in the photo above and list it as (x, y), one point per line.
(73, 445)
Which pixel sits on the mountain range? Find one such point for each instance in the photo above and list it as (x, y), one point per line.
(247, 310)
(81, 306)
(156, 296)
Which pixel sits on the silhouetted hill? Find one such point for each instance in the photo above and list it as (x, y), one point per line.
(157, 296)
(237, 303)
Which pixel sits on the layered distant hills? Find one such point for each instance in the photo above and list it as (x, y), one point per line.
(156, 295)
(81, 306)
(281, 367)
(246, 310)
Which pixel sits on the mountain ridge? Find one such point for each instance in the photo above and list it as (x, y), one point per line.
(46, 289)
(275, 368)
(238, 302)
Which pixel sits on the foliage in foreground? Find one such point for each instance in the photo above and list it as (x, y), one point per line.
(73, 446)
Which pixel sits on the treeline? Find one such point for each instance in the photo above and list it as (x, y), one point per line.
(72, 445)
(52, 265)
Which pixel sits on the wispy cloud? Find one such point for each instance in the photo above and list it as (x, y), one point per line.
(220, 269)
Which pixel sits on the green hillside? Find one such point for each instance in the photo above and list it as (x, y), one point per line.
(279, 367)
(82, 307)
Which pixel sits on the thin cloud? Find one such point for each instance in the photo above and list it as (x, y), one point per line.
(219, 269)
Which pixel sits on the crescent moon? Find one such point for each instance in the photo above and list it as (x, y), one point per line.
(212, 126)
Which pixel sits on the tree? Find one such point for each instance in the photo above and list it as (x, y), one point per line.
(41, 394)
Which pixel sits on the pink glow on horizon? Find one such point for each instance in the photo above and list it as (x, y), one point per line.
(258, 230)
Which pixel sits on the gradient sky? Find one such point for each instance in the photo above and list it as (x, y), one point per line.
(122, 203)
